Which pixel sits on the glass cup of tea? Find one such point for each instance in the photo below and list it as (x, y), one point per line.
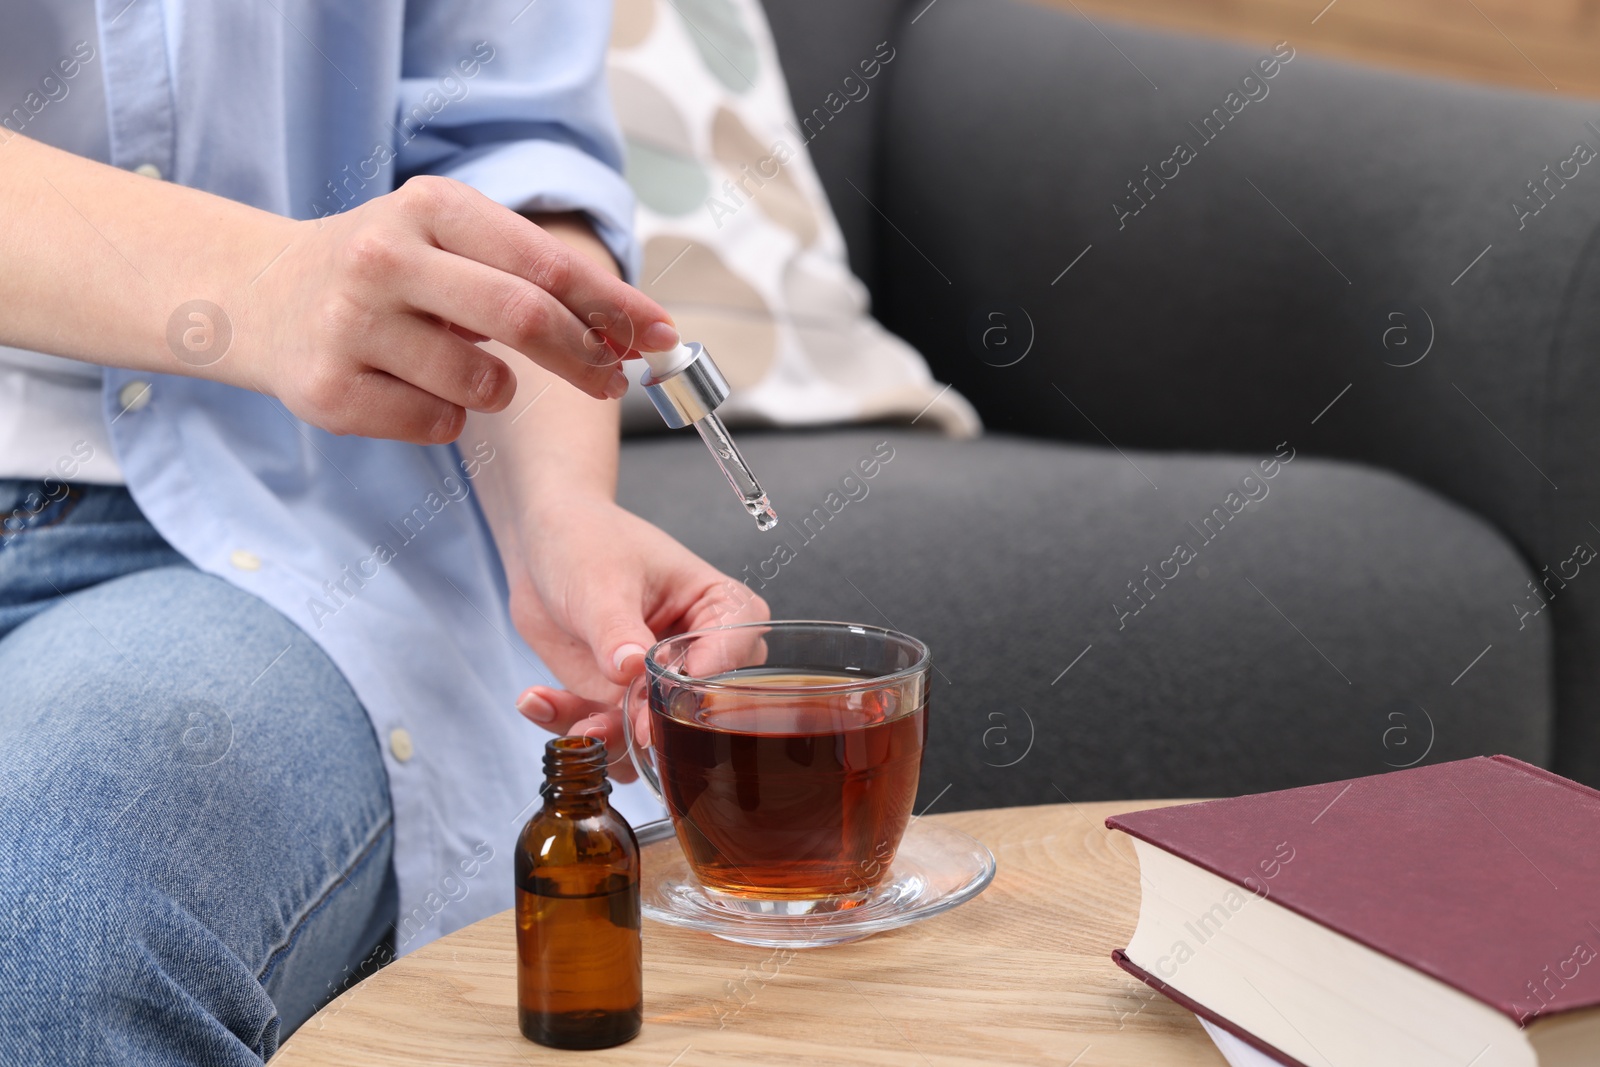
(787, 754)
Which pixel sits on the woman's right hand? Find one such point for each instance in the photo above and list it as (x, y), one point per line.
(366, 323)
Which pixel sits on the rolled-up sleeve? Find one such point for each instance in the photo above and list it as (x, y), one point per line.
(510, 97)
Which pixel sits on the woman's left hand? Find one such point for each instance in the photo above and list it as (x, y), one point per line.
(592, 587)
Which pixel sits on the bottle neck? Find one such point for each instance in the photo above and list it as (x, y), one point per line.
(575, 781)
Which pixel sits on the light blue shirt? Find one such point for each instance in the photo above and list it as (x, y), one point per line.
(376, 549)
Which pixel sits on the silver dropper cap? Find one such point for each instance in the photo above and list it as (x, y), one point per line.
(689, 392)
(686, 386)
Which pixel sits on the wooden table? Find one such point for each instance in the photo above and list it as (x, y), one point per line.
(1022, 974)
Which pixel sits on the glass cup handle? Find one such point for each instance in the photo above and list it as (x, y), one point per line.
(636, 752)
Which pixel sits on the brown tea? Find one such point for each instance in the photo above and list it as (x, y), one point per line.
(787, 795)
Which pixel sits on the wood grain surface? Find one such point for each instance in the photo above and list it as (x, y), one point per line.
(1550, 46)
(1020, 975)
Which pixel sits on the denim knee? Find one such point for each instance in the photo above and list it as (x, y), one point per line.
(99, 968)
(172, 816)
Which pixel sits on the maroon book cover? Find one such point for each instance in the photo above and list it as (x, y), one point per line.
(1483, 873)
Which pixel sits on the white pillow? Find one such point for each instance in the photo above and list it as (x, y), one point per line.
(739, 242)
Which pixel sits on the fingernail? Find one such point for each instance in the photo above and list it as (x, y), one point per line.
(536, 708)
(658, 337)
(616, 385)
(625, 653)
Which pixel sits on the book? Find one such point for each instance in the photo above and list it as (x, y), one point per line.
(1236, 1052)
(1442, 916)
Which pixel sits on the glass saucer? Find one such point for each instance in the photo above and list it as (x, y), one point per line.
(936, 869)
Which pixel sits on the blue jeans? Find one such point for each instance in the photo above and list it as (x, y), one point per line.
(195, 829)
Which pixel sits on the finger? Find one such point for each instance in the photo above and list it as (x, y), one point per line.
(480, 229)
(466, 334)
(611, 621)
(374, 403)
(727, 603)
(564, 712)
(438, 361)
(717, 652)
(515, 312)
(558, 710)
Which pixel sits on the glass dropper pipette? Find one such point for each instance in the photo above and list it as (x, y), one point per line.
(686, 387)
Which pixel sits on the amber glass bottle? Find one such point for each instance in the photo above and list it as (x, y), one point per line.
(580, 982)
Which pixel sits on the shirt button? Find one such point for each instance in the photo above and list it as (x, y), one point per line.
(134, 396)
(244, 559)
(400, 744)
(148, 170)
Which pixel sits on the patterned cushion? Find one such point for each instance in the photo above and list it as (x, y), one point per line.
(739, 242)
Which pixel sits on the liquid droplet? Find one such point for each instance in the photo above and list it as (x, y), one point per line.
(766, 518)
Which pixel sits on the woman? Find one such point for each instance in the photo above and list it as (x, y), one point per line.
(261, 623)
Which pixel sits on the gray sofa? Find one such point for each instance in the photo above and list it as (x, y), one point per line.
(1308, 286)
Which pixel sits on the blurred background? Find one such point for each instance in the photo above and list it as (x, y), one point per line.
(1249, 308)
